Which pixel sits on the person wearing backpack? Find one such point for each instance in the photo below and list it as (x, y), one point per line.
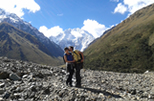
(68, 58)
(79, 58)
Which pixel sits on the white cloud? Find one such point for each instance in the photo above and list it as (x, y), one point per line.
(91, 26)
(133, 5)
(17, 6)
(94, 27)
(54, 31)
(120, 8)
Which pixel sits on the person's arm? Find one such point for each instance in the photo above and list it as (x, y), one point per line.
(82, 56)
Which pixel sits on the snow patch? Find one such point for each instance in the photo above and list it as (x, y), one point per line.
(78, 38)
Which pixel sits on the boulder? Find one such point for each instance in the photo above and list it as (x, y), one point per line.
(14, 77)
(4, 75)
(2, 91)
(2, 85)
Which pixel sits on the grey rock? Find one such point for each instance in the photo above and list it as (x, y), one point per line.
(152, 91)
(24, 76)
(4, 75)
(14, 77)
(39, 75)
(16, 96)
(1, 99)
(33, 88)
(47, 91)
(2, 85)
(6, 95)
(2, 90)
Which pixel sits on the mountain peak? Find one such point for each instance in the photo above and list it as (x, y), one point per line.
(2, 11)
(14, 16)
(17, 44)
(17, 22)
(76, 37)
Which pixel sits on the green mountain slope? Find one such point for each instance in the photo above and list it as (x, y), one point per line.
(20, 45)
(129, 47)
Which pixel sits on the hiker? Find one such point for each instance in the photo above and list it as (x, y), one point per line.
(79, 58)
(68, 57)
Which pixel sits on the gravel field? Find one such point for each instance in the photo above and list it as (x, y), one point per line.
(27, 81)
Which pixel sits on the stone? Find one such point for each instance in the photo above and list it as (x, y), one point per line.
(47, 91)
(4, 75)
(21, 99)
(149, 96)
(39, 75)
(138, 98)
(24, 76)
(6, 95)
(152, 91)
(1, 99)
(2, 85)
(33, 88)
(133, 91)
(100, 95)
(17, 95)
(2, 90)
(14, 77)
(32, 95)
(6, 60)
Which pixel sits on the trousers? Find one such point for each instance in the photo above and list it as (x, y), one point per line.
(70, 70)
(77, 73)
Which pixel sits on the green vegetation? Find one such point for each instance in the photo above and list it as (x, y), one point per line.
(128, 47)
(20, 45)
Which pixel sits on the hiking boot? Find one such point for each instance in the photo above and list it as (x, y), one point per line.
(69, 84)
(78, 86)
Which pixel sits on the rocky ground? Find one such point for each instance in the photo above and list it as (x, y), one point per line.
(26, 81)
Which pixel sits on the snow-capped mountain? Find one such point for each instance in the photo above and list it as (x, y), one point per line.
(13, 19)
(78, 38)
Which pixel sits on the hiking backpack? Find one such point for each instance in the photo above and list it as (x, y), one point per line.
(78, 57)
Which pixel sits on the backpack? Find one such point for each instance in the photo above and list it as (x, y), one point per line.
(78, 58)
(64, 60)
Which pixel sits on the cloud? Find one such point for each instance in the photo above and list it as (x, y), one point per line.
(54, 31)
(17, 6)
(91, 26)
(132, 5)
(120, 8)
(94, 27)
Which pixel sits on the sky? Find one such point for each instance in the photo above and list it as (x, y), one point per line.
(52, 17)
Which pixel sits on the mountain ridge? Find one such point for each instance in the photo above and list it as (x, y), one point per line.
(13, 19)
(126, 48)
(17, 44)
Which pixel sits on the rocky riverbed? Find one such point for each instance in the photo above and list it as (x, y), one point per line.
(26, 81)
